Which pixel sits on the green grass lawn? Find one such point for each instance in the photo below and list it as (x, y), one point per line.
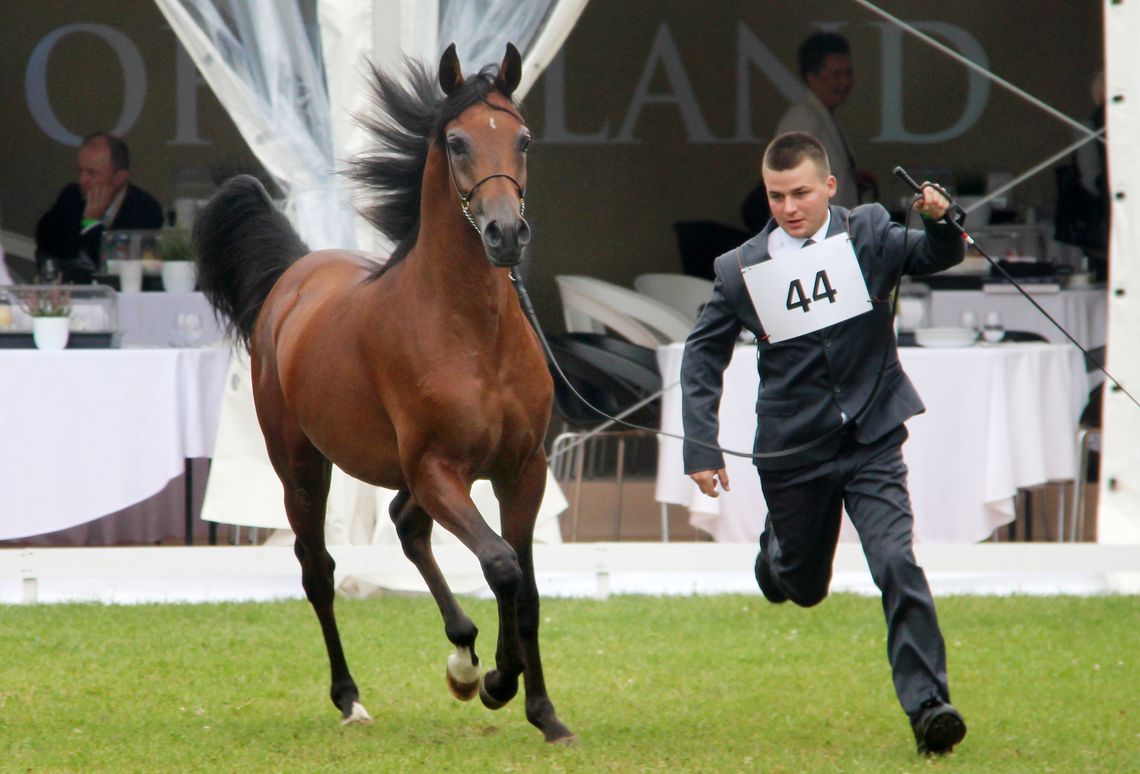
(709, 684)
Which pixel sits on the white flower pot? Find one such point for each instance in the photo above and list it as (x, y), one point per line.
(50, 332)
(179, 276)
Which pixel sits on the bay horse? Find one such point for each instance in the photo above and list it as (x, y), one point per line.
(421, 375)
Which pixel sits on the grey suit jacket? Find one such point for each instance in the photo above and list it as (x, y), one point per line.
(811, 384)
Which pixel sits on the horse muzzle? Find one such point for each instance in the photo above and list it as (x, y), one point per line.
(504, 240)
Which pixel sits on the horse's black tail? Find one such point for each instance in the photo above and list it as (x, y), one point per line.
(243, 245)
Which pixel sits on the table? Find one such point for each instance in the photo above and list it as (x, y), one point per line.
(1083, 312)
(999, 417)
(91, 432)
(148, 319)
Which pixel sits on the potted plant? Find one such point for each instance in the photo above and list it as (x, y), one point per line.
(179, 275)
(50, 310)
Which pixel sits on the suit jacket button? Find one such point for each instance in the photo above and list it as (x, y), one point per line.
(827, 342)
(837, 389)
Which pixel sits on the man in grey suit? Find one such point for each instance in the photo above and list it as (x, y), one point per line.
(831, 408)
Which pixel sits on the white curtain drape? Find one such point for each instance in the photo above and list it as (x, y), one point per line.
(260, 60)
(270, 72)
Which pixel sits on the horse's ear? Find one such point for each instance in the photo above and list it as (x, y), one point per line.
(510, 71)
(450, 76)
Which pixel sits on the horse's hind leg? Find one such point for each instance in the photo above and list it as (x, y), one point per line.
(414, 525)
(518, 504)
(305, 477)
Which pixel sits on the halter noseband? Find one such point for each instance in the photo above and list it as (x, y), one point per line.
(465, 198)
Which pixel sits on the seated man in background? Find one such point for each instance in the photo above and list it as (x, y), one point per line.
(829, 75)
(72, 230)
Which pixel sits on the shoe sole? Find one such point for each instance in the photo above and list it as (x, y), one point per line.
(944, 732)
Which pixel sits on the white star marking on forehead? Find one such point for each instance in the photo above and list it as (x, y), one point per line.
(492, 121)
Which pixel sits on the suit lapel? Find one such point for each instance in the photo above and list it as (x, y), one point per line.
(755, 250)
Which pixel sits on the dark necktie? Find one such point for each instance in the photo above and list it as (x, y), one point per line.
(807, 243)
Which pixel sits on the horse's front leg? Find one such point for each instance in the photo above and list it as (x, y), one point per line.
(519, 502)
(444, 494)
(413, 525)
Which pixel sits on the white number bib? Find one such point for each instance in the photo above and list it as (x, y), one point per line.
(805, 290)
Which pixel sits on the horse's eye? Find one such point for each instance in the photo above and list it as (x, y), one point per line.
(524, 144)
(456, 146)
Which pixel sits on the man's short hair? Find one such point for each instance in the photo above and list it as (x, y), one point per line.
(816, 48)
(120, 155)
(790, 149)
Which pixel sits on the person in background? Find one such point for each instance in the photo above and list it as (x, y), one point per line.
(831, 411)
(1083, 206)
(71, 232)
(827, 71)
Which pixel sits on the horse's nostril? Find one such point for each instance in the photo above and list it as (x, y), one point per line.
(493, 234)
(524, 233)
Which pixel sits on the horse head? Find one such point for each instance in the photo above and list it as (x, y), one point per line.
(486, 149)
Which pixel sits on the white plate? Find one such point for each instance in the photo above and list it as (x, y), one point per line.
(945, 337)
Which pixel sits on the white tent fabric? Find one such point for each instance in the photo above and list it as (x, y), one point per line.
(260, 62)
(1119, 510)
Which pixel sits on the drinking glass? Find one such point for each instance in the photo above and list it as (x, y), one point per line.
(992, 330)
(187, 330)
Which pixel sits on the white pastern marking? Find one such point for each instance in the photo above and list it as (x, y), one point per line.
(492, 122)
(461, 667)
(359, 716)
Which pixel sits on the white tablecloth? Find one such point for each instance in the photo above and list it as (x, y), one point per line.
(89, 432)
(148, 319)
(998, 418)
(1083, 312)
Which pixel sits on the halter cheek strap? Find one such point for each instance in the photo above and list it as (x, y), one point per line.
(465, 198)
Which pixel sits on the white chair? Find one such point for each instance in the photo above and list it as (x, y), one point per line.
(686, 294)
(591, 305)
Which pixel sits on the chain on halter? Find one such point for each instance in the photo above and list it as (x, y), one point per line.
(465, 198)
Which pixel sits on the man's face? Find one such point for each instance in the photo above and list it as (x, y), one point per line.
(832, 84)
(95, 169)
(799, 197)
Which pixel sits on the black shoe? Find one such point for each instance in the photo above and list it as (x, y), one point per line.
(767, 583)
(937, 728)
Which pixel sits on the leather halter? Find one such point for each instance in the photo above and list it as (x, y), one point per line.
(465, 198)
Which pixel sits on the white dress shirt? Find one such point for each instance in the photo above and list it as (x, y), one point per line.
(781, 243)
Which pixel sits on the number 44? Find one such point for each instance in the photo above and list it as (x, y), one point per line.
(821, 290)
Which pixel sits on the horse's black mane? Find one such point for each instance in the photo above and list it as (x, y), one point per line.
(409, 117)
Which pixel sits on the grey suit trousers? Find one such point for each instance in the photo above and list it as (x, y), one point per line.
(800, 536)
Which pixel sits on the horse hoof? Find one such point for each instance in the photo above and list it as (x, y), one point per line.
(358, 716)
(566, 741)
(463, 674)
(462, 691)
(489, 701)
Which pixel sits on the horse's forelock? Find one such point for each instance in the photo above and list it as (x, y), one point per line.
(475, 89)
